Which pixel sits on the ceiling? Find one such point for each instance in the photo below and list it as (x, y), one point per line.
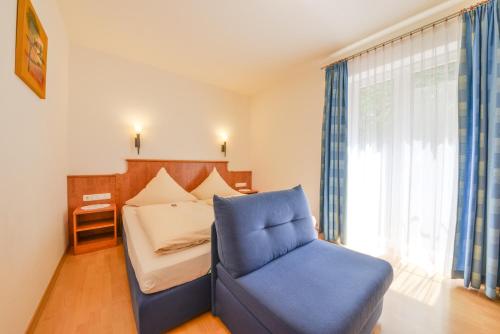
(240, 45)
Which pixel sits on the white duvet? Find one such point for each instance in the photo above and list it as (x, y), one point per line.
(175, 226)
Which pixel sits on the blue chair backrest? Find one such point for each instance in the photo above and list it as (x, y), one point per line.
(254, 230)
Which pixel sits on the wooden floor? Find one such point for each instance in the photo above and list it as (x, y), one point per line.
(91, 295)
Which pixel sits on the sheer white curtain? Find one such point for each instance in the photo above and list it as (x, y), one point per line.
(403, 149)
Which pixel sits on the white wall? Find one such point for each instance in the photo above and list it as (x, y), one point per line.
(181, 117)
(286, 133)
(32, 170)
(287, 116)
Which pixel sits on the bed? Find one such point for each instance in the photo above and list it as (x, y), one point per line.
(161, 272)
(160, 301)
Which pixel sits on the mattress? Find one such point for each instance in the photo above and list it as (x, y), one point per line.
(160, 272)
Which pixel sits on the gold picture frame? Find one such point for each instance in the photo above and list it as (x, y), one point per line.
(31, 48)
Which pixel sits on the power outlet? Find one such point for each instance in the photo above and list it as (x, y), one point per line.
(240, 184)
(96, 197)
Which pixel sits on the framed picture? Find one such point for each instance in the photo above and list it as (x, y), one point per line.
(31, 48)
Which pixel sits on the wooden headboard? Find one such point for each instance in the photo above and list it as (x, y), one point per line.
(188, 173)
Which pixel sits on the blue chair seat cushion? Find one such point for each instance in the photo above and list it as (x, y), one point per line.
(317, 288)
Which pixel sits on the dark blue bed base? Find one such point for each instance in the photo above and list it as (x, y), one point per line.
(158, 312)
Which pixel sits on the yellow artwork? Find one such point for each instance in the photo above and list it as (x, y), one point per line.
(31, 48)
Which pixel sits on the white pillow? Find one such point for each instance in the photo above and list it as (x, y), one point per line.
(161, 189)
(214, 184)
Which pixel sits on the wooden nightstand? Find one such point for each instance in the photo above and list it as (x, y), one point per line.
(248, 191)
(94, 229)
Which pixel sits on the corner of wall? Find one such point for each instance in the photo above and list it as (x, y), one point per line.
(33, 205)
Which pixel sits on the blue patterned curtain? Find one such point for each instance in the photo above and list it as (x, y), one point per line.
(334, 154)
(478, 226)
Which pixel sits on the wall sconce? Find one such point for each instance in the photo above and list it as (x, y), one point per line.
(137, 139)
(223, 147)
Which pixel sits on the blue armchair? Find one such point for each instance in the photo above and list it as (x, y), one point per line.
(270, 274)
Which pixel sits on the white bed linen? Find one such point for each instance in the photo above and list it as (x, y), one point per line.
(160, 272)
(176, 226)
